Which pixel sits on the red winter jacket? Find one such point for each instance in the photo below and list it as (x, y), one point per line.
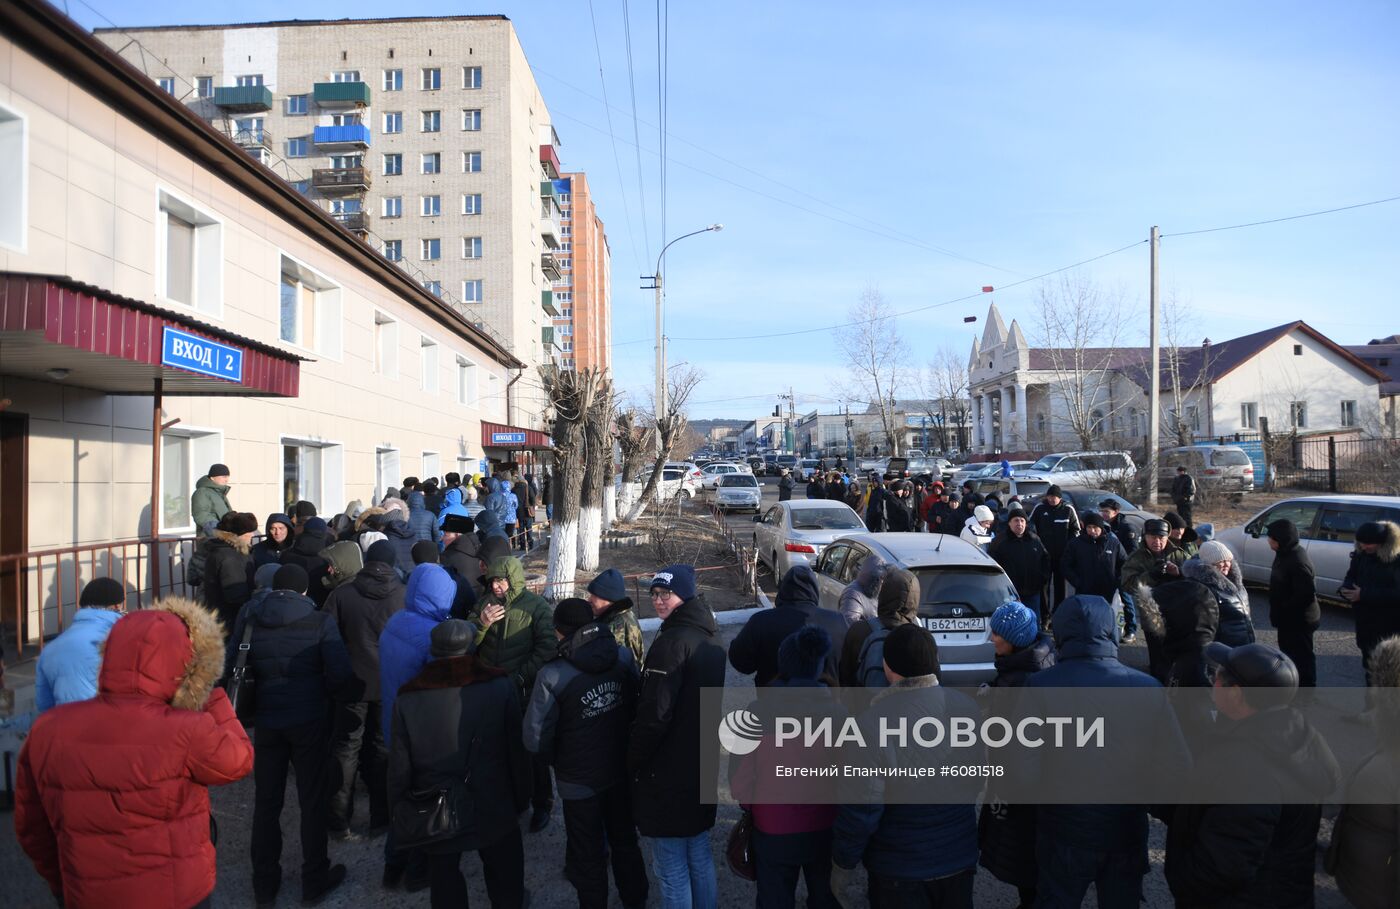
(111, 798)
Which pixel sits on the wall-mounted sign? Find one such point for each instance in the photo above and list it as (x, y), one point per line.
(194, 353)
(507, 438)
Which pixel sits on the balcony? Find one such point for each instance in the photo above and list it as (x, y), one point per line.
(547, 301)
(353, 221)
(341, 181)
(355, 135)
(339, 95)
(243, 99)
(550, 266)
(549, 161)
(550, 231)
(547, 336)
(253, 138)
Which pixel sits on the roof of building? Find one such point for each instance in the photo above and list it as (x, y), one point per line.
(1092, 357)
(1387, 349)
(292, 23)
(1208, 363)
(63, 44)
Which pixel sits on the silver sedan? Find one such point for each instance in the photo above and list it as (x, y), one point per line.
(795, 532)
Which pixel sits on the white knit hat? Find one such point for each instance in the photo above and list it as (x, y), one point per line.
(983, 513)
(1214, 552)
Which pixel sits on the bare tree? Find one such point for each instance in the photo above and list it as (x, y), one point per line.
(571, 394)
(1186, 369)
(597, 454)
(945, 396)
(1082, 329)
(635, 438)
(877, 357)
(680, 382)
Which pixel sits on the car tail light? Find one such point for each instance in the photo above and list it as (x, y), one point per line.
(800, 547)
(1249, 471)
(1212, 471)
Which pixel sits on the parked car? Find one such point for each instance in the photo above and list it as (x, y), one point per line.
(785, 460)
(981, 471)
(674, 482)
(1028, 491)
(959, 589)
(795, 532)
(710, 474)
(692, 470)
(1326, 526)
(1083, 499)
(738, 490)
(1082, 468)
(1223, 468)
(806, 467)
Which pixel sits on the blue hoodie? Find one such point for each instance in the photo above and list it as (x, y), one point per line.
(67, 669)
(488, 525)
(453, 503)
(421, 520)
(405, 644)
(501, 502)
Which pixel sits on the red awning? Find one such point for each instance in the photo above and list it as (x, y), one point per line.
(117, 345)
(513, 438)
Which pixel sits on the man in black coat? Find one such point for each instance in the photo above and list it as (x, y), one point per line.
(1184, 494)
(1094, 560)
(301, 665)
(816, 487)
(456, 726)
(1024, 558)
(361, 609)
(875, 505)
(1293, 608)
(943, 512)
(755, 649)
(227, 584)
(665, 748)
(1372, 586)
(1267, 756)
(1055, 522)
(580, 711)
(785, 484)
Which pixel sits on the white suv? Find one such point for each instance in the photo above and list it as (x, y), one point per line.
(1096, 469)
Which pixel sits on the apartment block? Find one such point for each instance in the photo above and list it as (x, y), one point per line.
(428, 138)
(583, 328)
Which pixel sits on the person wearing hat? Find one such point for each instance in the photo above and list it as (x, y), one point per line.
(915, 854)
(899, 507)
(278, 537)
(1093, 560)
(517, 636)
(1023, 557)
(977, 529)
(68, 665)
(664, 750)
(461, 547)
(754, 650)
(607, 595)
(209, 501)
(577, 721)
(1293, 607)
(785, 485)
(343, 561)
(862, 660)
(1184, 493)
(860, 598)
(302, 667)
(1157, 561)
(456, 726)
(1372, 586)
(1214, 566)
(940, 513)
(1021, 648)
(1056, 523)
(1263, 852)
(302, 512)
(361, 609)
(1185, 538)
(816, 486)
(225, 581)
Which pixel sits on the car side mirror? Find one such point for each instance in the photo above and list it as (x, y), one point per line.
(758, 519)
(1253, 530)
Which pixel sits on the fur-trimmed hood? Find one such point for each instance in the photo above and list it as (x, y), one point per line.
(1389, 551)
(451, 672)
(173, 652)
(1385, 693)
(233, 540)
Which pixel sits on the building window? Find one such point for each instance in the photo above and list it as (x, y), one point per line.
(167, 84)
(565, 330)
(433, 287)
(566, 230)
(1297, 350)
(184, 454)
(471, 162)
(191, 252)
(1298, 414)
(312, 471)
(386, 471)
(349, 75)
(566, 312)
(1193, 418)
(471, 291)
(566, 246)
(471, 247)
(432, 206)
(431, 465)
(393, 165)
(471, 77)
(1249, 415)
(14, 179)
(253, 81)
(298, 147)
(471, 204)
(393, 80)
(309, 314)
(568, 347)
(432, 163)
(466, 382)
(393, 122)
(428, 363)
(302, 186)
(431, 79)
(1348, 413)
(563, 198)
(432, 121)
(204, 86)
(393, 250)
(386, 345)
(471, 120)
(355, 119)
(431, 250)
(393, 206)
(297, 105)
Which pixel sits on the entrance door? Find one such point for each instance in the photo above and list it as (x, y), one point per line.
(14, 531)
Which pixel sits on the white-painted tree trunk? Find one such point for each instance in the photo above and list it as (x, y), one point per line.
(609, 506)
(590, 537)
(563, 561)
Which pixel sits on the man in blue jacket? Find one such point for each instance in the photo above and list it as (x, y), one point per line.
(68, 665)
(755, 649)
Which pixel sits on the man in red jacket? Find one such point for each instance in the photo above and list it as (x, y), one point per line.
(112, 799)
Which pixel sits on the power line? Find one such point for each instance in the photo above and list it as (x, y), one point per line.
(1310, 214)
(636, 129)
(617, 160)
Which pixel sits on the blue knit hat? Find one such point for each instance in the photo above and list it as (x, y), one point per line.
(1016, 624)
(679, 579)
(609, 585)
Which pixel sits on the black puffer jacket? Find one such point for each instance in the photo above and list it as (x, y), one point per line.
(1093, 565)
(1260, 855)
(1056, 525)
(1190, 617)
(1378, 575)
(1014, 668)
(664, 751)
(267, 550)
(899, 513)
(1025, 560)
(458, 719)
(580, 712)
(1292, 581)
(361, 609)
(226, 583)
(297, 657)
(755, 649)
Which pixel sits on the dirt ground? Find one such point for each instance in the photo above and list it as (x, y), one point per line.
(691, 538)
(1223, 513)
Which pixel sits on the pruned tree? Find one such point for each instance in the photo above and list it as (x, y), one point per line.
(597, 454)
(1186, 369)
(635, 438)
(1081, 330)
(680, 382)
(571, 395)
(877, 357)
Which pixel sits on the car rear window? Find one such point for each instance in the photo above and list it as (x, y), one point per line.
(825, 519)
(980, 591)
(1228, 457)
(1031, 487)
(737, 479)
(1046, 463)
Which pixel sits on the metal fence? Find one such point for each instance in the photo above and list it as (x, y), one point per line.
(1329, 464)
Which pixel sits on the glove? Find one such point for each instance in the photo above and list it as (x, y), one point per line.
(842, 880)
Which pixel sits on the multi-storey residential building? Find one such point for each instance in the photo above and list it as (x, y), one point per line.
(583, 296)
(427, 137)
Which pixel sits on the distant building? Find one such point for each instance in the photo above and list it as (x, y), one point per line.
(1383, 355)
(583, 293)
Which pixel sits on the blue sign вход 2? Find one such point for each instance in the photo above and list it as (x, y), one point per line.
(194, 353)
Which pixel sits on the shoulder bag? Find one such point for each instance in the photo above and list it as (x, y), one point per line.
(738, 852)
(241, 684)
(425, 816)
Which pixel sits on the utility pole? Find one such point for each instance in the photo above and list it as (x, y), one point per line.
(792, 422)
(1154, 400)
(655, 279)
(850, 442)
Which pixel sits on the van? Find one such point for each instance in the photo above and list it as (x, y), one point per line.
(1081, 468)
(1223, 468)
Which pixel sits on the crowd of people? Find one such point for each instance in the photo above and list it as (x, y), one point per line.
(417, 663)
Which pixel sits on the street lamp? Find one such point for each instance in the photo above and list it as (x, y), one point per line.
(655, 278)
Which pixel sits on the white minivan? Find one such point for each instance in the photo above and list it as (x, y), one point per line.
(1081, 468)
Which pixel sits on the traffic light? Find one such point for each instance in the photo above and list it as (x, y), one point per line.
(777, 410)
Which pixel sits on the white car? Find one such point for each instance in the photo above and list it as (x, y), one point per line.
(674, 482)
(710, 474)
(1081, 468)
(691, 469)
(738, 490)
(795, 532)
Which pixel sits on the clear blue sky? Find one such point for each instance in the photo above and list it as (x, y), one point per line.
(842, 145)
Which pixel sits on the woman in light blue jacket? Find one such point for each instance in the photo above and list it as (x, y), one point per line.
(68, 666)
